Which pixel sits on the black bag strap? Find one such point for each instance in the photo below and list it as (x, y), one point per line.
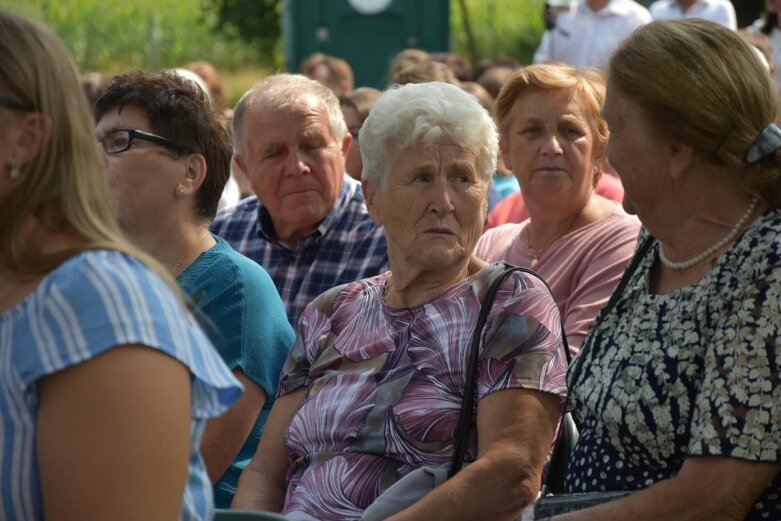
(465, 421)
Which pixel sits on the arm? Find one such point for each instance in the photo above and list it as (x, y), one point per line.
(515, 431)
(263, 484)
(707, 488)
(113, 437)
(225, 435)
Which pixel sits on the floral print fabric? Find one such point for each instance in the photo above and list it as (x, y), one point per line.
(384, 386)
(694, 372)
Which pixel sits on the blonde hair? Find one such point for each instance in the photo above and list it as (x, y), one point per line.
(702, 84)
(63, 189)
(587, 84)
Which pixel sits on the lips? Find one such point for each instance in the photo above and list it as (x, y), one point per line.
(442, 231)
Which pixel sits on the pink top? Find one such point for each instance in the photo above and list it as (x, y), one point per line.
(512, 209)
(582, 267)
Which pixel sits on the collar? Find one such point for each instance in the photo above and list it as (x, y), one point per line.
(613, 7)
(265, 224)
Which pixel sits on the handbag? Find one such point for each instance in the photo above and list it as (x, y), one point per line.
(419, 482)
(553, 501)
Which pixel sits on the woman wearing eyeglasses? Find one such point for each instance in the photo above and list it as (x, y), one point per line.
(167, 159)
(106, 381)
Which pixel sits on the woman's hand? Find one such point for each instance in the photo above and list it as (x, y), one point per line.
(707, 488)
(515, 430)
(263, 484)
(113, 437)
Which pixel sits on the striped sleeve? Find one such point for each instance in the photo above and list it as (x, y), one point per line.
(99, 300)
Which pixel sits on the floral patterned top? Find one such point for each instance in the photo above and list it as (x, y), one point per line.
(384, 385)
(694, 372)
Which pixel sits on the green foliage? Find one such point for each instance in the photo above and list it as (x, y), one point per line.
(113, 36)
(501, 28)
(255, 21)
(117, 35)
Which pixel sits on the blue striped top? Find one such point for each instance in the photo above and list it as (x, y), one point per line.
(94, 301)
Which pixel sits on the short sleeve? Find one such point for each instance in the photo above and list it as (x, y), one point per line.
(313, 326)
(99, 300)
(240, 310)
(522, 341)
(738, 410)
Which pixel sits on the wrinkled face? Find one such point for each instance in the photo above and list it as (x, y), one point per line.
(294, 164)
(634, 151)
(143, 178)
(433, 205)
(353, 164)
(548, 144)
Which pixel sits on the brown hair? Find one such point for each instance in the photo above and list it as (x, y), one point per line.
(180, 111)
(708, 90)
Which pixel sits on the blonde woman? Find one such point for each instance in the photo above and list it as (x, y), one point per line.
(105, 381)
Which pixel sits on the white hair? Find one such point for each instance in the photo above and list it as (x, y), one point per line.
(426, 113)
(282, 91)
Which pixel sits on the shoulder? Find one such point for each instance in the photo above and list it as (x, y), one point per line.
(621, 223)
(498, 238)
(106, 278)
(331, 300)
(245, 211)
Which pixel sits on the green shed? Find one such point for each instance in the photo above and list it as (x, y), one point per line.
(366, 33)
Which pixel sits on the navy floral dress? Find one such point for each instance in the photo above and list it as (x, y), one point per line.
(691, 373)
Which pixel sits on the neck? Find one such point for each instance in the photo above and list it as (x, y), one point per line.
(596, 5)
(408, 286)
(552, 222)
(707, 220)
(291, 236)
(686, 4)
(175, 246)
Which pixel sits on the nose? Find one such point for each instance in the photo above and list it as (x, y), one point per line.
(440, 200)
(296, 163)
(551, 145)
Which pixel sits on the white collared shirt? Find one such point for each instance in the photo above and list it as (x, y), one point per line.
(584, 38)
(719, 11)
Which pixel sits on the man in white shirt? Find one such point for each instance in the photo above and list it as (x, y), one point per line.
(719, 11)
(587, 34)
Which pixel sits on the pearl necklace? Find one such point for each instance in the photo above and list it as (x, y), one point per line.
(682, 265)
(193, 245)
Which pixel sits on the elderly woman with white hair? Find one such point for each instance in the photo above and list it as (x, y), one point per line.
(373, 386)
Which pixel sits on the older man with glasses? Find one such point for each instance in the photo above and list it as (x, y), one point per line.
(167, 157)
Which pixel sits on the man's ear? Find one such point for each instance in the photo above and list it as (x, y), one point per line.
(239, 162)
(369, 193)
(346, 142)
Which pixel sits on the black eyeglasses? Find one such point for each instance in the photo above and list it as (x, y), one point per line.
(10, 103)
(120, 140)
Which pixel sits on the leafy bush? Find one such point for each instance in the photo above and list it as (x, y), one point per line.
(120, 35)
(501, 28)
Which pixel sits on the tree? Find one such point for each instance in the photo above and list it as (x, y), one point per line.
(254, 21)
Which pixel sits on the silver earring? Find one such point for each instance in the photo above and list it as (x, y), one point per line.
(14, 173)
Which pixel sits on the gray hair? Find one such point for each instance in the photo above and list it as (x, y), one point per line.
(282, 91)
(426, 113)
